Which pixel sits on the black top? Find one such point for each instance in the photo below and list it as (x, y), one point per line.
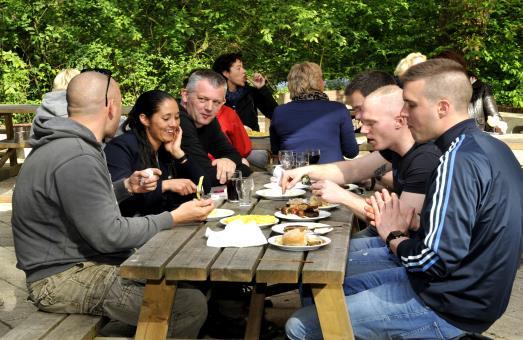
(412, 171)
(250, 102)
(123, 158)
(463, 261)
(209, 139)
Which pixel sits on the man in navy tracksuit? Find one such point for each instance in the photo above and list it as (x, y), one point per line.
(458, 268)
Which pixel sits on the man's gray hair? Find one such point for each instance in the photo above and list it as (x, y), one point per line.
(215, 79)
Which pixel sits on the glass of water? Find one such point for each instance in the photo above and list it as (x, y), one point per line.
(245, 187)
(286, 158)
(301, 159)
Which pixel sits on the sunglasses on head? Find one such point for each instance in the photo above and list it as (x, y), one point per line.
(105, 72)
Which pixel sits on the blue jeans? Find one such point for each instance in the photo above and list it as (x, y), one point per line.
(382, 305)
(369, 254)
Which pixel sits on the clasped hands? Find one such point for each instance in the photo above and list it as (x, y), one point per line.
(383, 210)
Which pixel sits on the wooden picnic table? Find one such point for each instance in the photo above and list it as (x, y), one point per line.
(181, 254)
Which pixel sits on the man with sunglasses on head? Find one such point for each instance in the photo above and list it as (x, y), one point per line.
(201, 100)
(68, 232)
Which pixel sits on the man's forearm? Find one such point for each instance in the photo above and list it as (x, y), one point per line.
(355, 203)
(330, 172)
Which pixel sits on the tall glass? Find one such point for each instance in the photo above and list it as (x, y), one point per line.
(245, 187)
(286, 158)
(301, 159)
(314, 156)
(232, 193)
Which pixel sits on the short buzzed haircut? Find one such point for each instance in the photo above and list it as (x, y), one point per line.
(444, 79)
(215, 79)
(391, 96)
(368, 82)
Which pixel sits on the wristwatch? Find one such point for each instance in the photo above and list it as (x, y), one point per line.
(394, 235)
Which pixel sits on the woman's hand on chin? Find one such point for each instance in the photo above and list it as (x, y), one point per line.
(174, 145)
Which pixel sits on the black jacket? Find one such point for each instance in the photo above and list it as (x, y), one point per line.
(250, 102)
(209, 139)
(123, 158)
(464, 258)
(482, 105)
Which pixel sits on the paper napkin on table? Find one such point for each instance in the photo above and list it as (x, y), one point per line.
(277, 174)
(236, 234)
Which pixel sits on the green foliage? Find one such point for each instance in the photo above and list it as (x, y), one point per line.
(154, 44)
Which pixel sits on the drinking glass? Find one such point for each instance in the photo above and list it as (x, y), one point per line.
(245, 187)
(301, 159)
(286, 158)
(232, 194)
(314, 156)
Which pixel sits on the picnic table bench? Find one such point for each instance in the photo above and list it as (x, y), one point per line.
(54, 326)
(181, 254)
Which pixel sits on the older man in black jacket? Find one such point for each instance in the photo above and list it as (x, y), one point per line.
(202, 135)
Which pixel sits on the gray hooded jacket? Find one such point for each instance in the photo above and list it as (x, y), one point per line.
(54, 104)
(65, 208)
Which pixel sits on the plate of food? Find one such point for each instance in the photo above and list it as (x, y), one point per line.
(294, 217)
(298, 209)
(257, 134)
(323, 205)
(310, 227)
(274, 185)
(260, 220)
(218, 214)
(298, 240)
(276, 194)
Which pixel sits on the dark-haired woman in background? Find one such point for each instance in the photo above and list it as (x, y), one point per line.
(151, 139)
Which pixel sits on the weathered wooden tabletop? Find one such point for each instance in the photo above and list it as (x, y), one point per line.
(181, 254)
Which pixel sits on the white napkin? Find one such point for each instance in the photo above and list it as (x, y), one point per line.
(277, 174)
(236, 234)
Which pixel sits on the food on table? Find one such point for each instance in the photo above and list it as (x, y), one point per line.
(252, 133)
(294, 237)
(313, 240)
(301, 208)
(290, 227)
(299, 238)
(199, 188)
(258, 219)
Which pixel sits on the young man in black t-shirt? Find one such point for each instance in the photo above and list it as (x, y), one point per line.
(411, 163)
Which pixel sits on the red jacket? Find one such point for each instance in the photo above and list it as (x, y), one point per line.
(233, 128)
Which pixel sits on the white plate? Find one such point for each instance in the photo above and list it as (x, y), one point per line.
(273, 185)
(275, 194)
(222, 221)
(292, 217)
(218, 214)
(325, 228)
(276, 241)
(329, 206)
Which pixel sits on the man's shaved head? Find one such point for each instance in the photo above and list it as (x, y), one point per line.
(388, 98)
(86, 93)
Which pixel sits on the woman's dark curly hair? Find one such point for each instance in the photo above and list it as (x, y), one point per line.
(147, 103)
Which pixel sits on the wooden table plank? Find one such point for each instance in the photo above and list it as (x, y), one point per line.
(328, 263)
(157, 305)
(149, 261)
(237, 264)
(332, 311)
(194, 261)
